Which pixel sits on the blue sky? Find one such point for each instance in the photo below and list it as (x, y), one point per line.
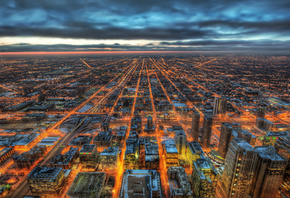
(195, 25)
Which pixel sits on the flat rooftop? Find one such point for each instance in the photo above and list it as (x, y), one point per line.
(87, 185)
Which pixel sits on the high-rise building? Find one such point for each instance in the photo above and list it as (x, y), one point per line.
(195, 125)
(204, 178)
(180, 141)
(239, 167)
(268, 173)
(226, 137)
(220, 105)
(282, 146)
(206, 131)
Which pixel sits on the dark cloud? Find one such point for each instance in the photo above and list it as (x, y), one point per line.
(207, 21)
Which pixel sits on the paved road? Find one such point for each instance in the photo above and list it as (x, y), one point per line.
(23, 188)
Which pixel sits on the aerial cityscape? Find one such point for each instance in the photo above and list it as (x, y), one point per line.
(144, 99)
(145, 126)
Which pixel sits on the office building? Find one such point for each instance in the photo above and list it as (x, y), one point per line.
(204, 178)
(246, 135)
(268, 172)
(226, 137)
(178, 183)
(206, 131)
(141, 183)
(46, 180)
(27, 159)
(65, 160)
(195, 125)
(181, 143)
(194, 151)
(131, 159)
(170, 152)
(149, 127)
(88, 156)
(239, 168)
(5, 153)
(109, 158)
(220, 105)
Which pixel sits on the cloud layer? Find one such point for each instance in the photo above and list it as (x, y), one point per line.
(161, 25)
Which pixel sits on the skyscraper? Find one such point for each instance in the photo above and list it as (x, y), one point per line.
(206, 131)
(239, 167)
(268, 173)
(220, 105)
(195, 125)
(204, 178)
(225, 139)
(226, 136)
(180, 141)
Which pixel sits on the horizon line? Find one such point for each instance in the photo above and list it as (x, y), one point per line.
(101, 52)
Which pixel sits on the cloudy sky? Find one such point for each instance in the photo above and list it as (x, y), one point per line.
(133, 25)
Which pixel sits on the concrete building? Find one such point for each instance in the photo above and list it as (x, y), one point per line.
(131, 159)
(220, 105)
(5, 153)
(149, 127)
(268, 173)
(178, 183)
(171, 153)
(109, 158)
(195, 125)
(206, 131)
(239, 168)
(204, 178)
(141, 183)
(194, 151)
(46, 180)
(88, 156)
(65, 161)
(226, 137)
(27, 159)
(181, 143)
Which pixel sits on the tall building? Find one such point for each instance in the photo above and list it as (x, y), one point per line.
(268, 173)
(282, 146)
(180, 141)
(195, 125)
(171, 153)
(206, 131)
(226, 137)
(194, 151)
(220, 105)
(204, 178)
(239, 167)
